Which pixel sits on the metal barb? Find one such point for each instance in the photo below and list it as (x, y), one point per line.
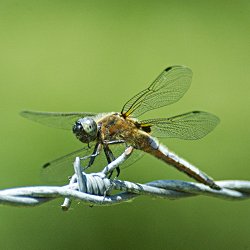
(96, 189)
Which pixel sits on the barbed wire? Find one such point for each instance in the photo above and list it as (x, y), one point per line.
(97, 189)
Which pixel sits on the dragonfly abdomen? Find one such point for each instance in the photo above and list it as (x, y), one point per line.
(161, 152)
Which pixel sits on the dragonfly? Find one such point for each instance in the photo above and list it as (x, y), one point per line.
(108, 134)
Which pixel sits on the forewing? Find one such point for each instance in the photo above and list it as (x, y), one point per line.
(189, 126)
(54, 119)
(168, 88)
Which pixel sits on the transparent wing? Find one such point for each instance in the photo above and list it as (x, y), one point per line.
(189, 126)
(58, 170)
(54, 119)
(168, 88)
(118, 149)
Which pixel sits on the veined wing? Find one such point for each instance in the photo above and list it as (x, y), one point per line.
(189, 126)
(118, 149)
(54, 119)
(60, 169)
(168, 88)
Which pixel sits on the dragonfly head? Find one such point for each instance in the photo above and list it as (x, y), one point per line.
(85, 129)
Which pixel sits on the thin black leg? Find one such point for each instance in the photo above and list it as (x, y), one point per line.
(92, 157)
(110, 157)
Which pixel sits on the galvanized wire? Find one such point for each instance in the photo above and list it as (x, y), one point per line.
(97, 189)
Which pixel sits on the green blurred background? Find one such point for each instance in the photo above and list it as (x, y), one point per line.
(93, 56)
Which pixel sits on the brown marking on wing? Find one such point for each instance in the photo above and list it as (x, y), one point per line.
(146, 128)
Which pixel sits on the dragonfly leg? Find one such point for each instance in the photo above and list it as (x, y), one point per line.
(114, 142)
(110, 157)
(92, 157)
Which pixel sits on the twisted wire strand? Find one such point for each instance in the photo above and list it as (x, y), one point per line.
(96, 189)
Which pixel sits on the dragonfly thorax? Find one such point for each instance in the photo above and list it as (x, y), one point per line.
(85, 129)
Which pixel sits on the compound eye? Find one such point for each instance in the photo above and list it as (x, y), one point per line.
(85, 129)
(77, 128)
(89, 126)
